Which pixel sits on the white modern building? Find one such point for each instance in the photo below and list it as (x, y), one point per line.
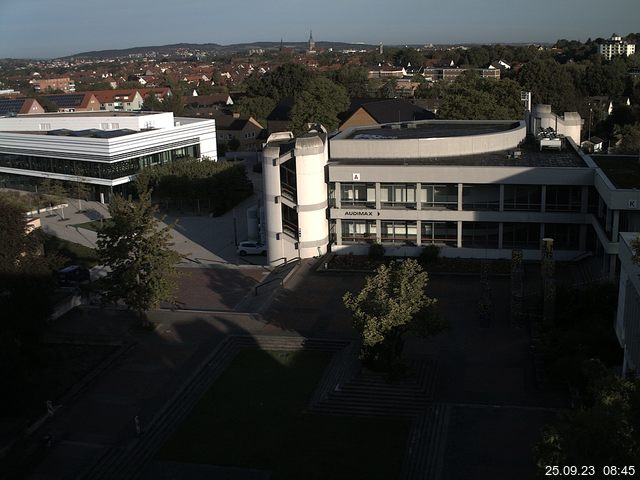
(616, 46)
(103, 149)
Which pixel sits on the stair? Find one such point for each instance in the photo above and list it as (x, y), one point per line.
(370, 394)
(127, 461)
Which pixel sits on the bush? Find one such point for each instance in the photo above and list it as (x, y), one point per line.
(429, 254)
(376, 251)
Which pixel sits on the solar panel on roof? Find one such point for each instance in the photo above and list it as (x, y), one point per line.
(65, 101)
(11, 106)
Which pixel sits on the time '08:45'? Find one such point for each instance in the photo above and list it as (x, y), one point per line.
(590, 470)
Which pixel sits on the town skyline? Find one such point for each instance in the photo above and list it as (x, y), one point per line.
(121, 25)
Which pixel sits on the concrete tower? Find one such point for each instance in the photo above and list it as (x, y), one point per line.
(295, 195)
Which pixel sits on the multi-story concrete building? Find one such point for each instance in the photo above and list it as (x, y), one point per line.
(67, 85)
(477, 189)
(103, 149)
(616, 46)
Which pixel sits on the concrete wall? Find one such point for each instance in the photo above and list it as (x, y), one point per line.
(83, 121)
(344, 147)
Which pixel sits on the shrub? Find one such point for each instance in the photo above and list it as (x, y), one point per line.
(376, 251)
(429, 254)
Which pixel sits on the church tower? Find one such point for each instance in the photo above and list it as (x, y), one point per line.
(312, 43)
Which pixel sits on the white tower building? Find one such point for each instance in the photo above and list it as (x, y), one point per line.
(295, 195)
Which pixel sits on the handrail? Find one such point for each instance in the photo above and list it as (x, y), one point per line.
(255, 289)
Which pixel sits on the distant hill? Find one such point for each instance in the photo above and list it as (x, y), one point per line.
(212, 48)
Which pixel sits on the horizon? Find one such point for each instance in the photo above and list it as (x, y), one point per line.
(78, 28)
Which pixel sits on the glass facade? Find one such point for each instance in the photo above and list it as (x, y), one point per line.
(560, 198)
(566, 236)
(359, 195)
(444, 233)
(480, 234)
(521, 235)
(399, 231)
(524, 198)
(288, 180)
(358, 231)
(481, 197)
(289, 221)
(398, 195)
(91, 169)
(439, 196)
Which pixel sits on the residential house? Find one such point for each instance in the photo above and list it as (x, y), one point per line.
(119, 100)
(247, 131)
(20, 105)
(207, 105)
(371, 111)
(74, 102)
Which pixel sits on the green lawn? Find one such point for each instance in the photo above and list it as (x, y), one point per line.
(253, 417)
(94, 225)
(75, 253)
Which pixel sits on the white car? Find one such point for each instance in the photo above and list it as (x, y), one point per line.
(251, 248)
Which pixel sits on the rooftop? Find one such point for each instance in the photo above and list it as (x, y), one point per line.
(428, 129)
(528, 155)
(622, 170)
(91, 114)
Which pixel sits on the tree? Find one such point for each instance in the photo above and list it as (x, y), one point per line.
(151, 103)
(604, 430)
(320, 102)
(630, 140)
(138, 254)
(392, 303)
(550, 83)
(256, 107)
(354, 78)
(471, 97)
(26, 287)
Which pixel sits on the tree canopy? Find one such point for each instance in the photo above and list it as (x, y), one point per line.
(392, 302)
(550, 83)
(138, 254)
(319, 102)
(471, 97)
(605, 430)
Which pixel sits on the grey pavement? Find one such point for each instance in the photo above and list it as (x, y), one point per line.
(138, 384)
(203, 240)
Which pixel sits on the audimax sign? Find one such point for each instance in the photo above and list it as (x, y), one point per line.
(361, 213)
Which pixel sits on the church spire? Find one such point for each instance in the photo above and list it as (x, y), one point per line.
(312, 43)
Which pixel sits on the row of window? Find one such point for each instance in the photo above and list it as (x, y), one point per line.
(474, 234)
(113, 170)
(474, 197)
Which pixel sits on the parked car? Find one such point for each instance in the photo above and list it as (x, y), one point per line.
(72, 275)
(251, 248)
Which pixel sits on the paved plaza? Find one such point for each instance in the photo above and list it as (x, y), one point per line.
(483, 378)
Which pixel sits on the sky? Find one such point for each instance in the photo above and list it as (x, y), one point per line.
(53, 28)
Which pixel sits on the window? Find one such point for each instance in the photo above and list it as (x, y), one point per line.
(565, 235)
(439, 196)
(479, 235)
(398, 195)
(521, 235)
(526, 198)
(481, 197)
(358, 231)
(563, 198)
(289, 221)
(396, 231)
(439, 232)
(288, 182)
(362, 195)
